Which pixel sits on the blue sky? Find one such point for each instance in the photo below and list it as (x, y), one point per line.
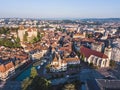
(60, 8)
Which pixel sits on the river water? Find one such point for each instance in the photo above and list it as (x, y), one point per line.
(24, 74)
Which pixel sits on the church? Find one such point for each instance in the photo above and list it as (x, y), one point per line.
(97, 58)
(58, 64)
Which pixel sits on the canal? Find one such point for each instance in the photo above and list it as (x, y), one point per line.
(24, 74)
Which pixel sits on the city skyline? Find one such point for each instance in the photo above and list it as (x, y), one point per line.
(60, 9)
(60, 45)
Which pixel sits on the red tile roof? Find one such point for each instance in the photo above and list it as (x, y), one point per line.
(9, 65)
(2, 68)
(88, 40)
(87, 52)
(29, 30)
(66, 49)
(71, 59)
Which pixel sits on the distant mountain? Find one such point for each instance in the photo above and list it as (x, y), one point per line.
(101, 19)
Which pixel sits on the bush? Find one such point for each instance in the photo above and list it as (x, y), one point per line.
(34, 82)
(112, 63)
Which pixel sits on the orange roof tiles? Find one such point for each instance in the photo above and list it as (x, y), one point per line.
(6, 67)
(2, 68)
(64, 61)
(88, 40)
(29, 30)
(9, 65)
(71, 59)
(55, 59)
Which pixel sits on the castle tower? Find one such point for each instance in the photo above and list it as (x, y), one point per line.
(78, 29)
(84, 33)
(53, 50)
(108, 51)
(21, 32)
(58, 58)
(55, 60)
(21, 27)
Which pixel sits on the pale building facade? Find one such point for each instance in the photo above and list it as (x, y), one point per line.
(72, 61)
(32, 32)
(58, 65)
(97, 46)
(6, 71)
(98, 61)
(97, 58)
(115, 54)
(79, 35)
(108, 52)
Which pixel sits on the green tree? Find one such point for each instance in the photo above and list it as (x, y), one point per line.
(18, 40)
(4, 30)
(48, 68)
(8, 43)
(93, 66)
(89, 35)
(1, 42)
(37, 83)
(83, 57)
(69, 87)
(78, 54)
(29, 81)
(26, 82)
(35, 39)
(33, 72)
(112, 63)
(25, 36)
(40, 83)
(38, 35)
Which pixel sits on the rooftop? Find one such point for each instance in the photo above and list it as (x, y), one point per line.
(88, 52)
(109, 84)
